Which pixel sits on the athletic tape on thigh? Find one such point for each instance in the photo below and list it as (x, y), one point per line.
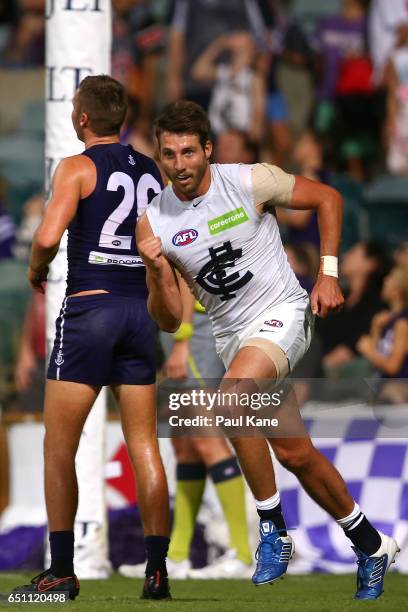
(274, 352)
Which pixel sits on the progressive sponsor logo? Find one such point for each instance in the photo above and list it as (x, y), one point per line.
(185, 237)
(110, 259)
(228, 220)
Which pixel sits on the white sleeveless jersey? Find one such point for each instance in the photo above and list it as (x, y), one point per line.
(230, 255)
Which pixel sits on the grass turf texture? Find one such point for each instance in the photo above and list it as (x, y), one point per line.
(314, 593)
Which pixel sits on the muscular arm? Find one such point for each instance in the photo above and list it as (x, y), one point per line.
(72, 180)
(176, 366)
(164, 302)
(328, 204)
(274, 187)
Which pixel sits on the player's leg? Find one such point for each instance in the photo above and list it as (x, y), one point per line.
(191, 474)
(78, 366)
(325, 485)
(223, 468)
(67, 405)
(276, 547)
(132, 380)
(190, 483)
(321, 480)
(137, 404)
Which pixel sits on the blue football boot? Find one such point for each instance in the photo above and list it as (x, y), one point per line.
(371, 570)
(273, 554)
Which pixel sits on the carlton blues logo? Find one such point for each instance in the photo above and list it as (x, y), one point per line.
(185, 237)
(213, 276)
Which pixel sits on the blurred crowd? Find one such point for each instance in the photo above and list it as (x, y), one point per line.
(320, 89)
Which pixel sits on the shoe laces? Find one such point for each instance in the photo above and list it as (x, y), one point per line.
(272, 545)
(369, 570)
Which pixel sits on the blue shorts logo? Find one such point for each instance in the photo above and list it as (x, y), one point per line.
(185, 237)
(60, 358)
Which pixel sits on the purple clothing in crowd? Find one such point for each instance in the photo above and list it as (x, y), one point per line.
(386, 341)
(7, 235)
(336, 39)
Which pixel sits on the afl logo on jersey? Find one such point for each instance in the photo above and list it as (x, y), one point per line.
(116, 242)
(185, 237)
(273, 323)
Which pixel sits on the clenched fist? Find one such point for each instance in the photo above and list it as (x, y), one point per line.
(150, 250)
(326, 296)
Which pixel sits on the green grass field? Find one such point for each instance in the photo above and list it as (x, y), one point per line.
(314, 593)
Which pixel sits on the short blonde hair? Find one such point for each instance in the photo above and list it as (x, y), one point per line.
(400, 277)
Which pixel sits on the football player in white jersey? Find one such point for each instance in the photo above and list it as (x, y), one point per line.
(215, 224)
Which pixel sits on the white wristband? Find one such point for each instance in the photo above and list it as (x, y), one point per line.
(329, 266)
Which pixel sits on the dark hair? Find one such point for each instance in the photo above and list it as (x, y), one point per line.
(184, 117)
(104, 100)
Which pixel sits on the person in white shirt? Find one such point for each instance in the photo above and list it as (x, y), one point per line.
(388, 29)
(215, 223)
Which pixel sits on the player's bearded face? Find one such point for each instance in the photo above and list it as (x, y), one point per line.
(185, 162)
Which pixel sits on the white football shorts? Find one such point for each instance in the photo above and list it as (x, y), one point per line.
(289, 325)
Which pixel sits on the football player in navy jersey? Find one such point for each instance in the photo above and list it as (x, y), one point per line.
(104, 334)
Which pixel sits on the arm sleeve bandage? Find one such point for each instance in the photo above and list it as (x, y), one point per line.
(272, 184)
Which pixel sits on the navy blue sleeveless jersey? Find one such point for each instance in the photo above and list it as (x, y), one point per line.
(102, 250)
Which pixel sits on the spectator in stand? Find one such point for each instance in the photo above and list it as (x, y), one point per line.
(289, 44)
(138, 41)
(194, 25)
(32, 214)
(386, 346)
(134, 132)
(7, 228)
(233, 147)
(26, 44)
(124, 67)
(401, 255)
(302, 226)
(346, 105)
(388, 29)
(304, 261)
(396, 82)
(30, 364)
(363, 269)
(238, 94)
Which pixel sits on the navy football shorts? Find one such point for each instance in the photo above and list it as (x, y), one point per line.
(104, 339)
